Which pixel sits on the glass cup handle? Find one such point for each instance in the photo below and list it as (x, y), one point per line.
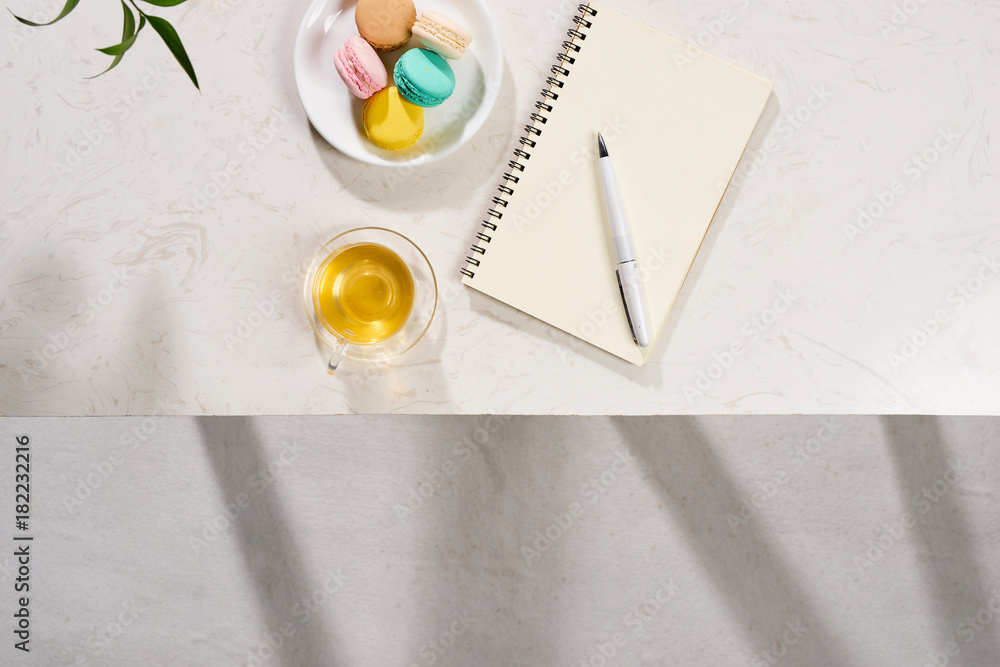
(337, 356)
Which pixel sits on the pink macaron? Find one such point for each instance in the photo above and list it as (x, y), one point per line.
(361, 68)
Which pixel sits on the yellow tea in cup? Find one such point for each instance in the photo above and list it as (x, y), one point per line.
(364, 294)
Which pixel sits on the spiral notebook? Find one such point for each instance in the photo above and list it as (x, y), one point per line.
(676, 121)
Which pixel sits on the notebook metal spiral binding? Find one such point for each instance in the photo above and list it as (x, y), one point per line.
(532, 130)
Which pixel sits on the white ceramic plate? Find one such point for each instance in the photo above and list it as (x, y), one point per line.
(336, 114)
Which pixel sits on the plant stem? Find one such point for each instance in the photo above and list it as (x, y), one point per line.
(141, 13)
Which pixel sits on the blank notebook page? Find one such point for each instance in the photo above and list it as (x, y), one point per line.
(676, 122)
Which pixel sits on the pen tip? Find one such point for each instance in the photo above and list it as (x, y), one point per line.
(600, 145)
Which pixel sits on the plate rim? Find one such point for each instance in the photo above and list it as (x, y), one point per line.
(489, 102)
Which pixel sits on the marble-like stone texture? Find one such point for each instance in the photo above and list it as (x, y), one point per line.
(136, 279)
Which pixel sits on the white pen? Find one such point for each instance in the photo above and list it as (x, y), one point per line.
(627, 272)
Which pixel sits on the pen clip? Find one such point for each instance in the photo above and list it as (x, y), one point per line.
(628, 317)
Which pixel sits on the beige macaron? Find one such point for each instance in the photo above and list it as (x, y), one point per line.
(441, 35)
(385, 24)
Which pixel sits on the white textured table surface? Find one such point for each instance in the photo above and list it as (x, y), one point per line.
(133, 283)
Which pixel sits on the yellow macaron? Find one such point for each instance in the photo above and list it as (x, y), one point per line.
(391, 121)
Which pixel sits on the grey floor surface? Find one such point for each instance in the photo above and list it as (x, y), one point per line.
(481, 541)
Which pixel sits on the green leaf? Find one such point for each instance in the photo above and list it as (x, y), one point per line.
(165, 3)
(129, 33)
(120, 49)
(67, 8)
(173, 42)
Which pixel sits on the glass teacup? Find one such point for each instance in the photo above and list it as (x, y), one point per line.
(370, 294)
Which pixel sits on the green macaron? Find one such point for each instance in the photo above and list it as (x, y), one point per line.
(424, 78)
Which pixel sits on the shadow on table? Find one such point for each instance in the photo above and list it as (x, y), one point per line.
(414, 381)
(746, 566)
(944, 544)
(272, 557)
(567, 347)
(471, 567)
(43, 335)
